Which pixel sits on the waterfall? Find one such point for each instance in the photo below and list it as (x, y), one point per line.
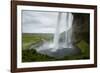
(67, 30)
(57, 33)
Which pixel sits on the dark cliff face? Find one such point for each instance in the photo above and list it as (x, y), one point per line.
(81, 27)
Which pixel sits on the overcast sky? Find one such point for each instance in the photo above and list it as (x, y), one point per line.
(40, 22)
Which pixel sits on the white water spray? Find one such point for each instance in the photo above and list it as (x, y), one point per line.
(67, 31)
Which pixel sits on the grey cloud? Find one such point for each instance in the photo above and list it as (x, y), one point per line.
(38, 21)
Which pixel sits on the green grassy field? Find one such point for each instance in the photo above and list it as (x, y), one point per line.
(28, 39)
(30, 55)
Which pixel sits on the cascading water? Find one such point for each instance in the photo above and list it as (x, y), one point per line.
(68, 39)
(67, 31)
(57, 34)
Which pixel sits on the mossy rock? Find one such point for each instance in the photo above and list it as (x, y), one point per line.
(84, 47)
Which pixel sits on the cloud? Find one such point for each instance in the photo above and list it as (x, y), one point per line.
(39, 21)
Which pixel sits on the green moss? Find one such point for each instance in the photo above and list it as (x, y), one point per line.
(32, 56)
(84, 47)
